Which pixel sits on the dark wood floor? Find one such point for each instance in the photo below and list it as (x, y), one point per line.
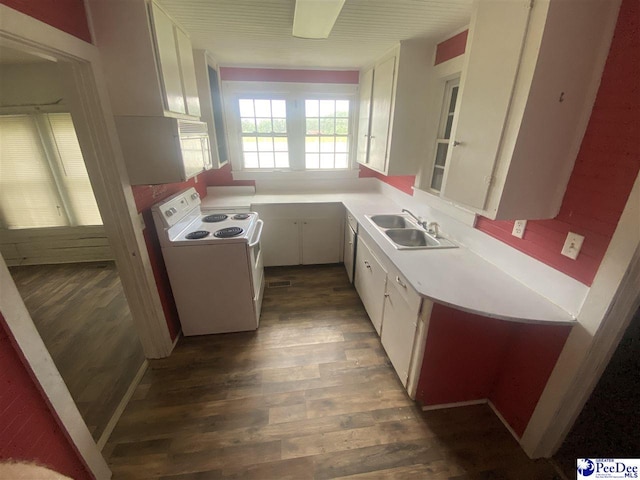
(84, 320)
(311, 394)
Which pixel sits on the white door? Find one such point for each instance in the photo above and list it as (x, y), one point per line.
(485, 94)
(321, 240)
(280, 242)
(381, 113)
(168, 60)
(370, 282)
(349, 250)
(366, 85)
(188, 71)
(398, 330)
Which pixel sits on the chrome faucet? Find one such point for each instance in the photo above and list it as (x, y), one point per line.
(432, 228)
(420, 222)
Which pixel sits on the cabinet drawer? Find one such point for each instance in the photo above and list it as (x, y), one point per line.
(404, 289)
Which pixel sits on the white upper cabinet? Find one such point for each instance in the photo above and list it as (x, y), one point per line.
(527, 89)
(147, 59)
(393, 131)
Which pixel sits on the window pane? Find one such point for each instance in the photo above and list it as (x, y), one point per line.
(436, 180)
(279, 108)
(280, 144)
(342, 108)
(342, 144)
(249, 144)
(264, 125)
(447, 128)
(441, 153)
(248, 125)
(313, 126)
(263, 108)
(342, 160)
(265, 145)
(454, 96)
(327, 126)
(327, 108)
(342, 126)
(312, 144)
(282, 159)
(326, 145)
(246, 108)
(251, 160)
(28, 196)
(326, 160)
(312, 160)
(267, 160)
(280, 125)
(311, 108)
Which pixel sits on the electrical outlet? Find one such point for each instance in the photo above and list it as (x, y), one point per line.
(572, 245)
(519, 227)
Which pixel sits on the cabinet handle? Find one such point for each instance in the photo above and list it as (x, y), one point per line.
(367, 264)
(387, 295)
(455, 143)
(372, 136)
(403, 285)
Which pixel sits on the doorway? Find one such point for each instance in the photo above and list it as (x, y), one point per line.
(53, 240)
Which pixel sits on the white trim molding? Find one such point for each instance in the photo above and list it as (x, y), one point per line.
(608, 308)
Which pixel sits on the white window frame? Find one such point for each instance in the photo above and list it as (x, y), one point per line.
(294, 94)
(440, 140)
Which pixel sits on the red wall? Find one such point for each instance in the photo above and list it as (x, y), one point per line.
(606, 167)
(452, 47)
(401, 182)
(470, 357)
(29, 429)
(66, 15)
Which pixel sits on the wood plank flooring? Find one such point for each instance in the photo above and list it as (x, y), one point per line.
(84, 320)
(310, 395)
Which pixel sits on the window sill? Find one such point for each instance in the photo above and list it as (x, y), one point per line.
(289, 175)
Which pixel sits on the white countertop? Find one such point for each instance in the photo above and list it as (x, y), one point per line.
(456, 277)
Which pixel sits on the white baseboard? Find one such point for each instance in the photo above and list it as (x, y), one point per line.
(102, 441)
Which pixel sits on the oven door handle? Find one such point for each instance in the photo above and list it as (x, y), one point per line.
(258, 234)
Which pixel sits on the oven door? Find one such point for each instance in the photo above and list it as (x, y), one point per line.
(257, 268)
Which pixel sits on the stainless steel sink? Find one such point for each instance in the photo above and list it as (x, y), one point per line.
(391, 221)
(405, 234)
(410, 237)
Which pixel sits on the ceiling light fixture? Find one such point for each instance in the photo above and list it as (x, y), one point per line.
(315, 18)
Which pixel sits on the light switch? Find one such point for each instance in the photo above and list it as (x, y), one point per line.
(572, 245)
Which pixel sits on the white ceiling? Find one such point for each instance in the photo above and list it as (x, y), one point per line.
(258, 32)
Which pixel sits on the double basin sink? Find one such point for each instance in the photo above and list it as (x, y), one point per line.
(404, 234)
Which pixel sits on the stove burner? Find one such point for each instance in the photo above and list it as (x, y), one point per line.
(241, 216)
(196, 235)
(228, 232)
(216, 217)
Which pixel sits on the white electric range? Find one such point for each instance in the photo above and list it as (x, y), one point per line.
(214, 263)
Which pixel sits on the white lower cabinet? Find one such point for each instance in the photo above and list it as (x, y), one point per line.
(349, 250)
(399, 324)
(295, 234)
(370, 282)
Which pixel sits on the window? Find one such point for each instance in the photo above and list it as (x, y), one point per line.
(294, 127)
(264, 133)
(43, 179)
(327, 134)
(444, 133)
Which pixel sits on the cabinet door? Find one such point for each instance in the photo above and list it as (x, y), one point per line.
(349, 250)
(321, 240)
(398, 330)
(381, 113)
(370, 282)
(486, 89)
(280, 242)
(366, 84)
(188, 72)
(168, 61)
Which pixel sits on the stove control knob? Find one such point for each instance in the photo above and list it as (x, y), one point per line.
(195, 195)
(171, 212)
